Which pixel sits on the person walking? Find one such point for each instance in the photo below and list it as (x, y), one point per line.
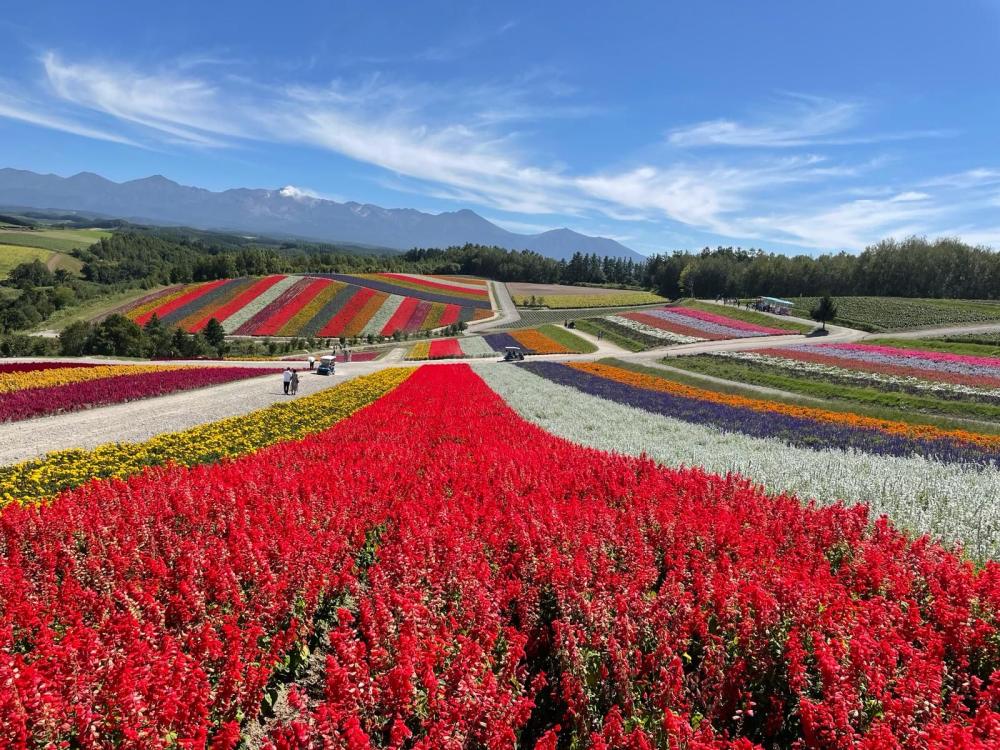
(286, 378)
(312, 361)
(293, 384)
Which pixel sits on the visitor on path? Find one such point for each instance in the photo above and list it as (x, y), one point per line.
(286, 378)
(312, 361)
(293, 384)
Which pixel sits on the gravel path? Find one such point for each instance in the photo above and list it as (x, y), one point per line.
(507, 313)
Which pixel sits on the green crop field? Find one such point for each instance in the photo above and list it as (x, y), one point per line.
(57, 240)
(898, 314)
(601, 299)
(14, 255)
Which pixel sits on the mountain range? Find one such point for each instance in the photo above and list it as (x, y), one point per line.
(284, 212)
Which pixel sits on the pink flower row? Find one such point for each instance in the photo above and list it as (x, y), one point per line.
(918, 354)
(38, 402)
(722, 320)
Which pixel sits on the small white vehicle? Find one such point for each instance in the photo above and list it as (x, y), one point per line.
(327, 365)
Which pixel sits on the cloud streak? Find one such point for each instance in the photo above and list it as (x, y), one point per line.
(805, 121)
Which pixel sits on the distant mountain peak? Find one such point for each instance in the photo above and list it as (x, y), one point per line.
(289, 211)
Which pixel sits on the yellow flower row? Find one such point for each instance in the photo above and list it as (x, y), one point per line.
(33, 481)
(421, 350)
(311, 309)
(162, 299)
(609, 299)
(433, 319)
(19, 381)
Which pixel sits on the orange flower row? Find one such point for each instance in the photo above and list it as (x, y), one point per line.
(538, 342)
(648, 382)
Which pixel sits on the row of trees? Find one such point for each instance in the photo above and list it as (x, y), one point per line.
(913, 267)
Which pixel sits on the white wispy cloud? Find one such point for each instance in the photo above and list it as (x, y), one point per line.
(31, 112)
(185, 108)
(800, 121)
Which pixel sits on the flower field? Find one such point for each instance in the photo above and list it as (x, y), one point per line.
(544, 340)
(450, 348)
(435, 572)
(956, 369)
(674, 324)
(50, 389)
(458, 291)
(927, 480)
(605, 299)
(909, 376)
(330, 305)
(32, 481)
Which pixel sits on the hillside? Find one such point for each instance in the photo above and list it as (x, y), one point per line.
(286, 211)
(319, 305)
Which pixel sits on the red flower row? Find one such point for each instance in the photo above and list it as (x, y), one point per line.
(481, 583)
(38, 402)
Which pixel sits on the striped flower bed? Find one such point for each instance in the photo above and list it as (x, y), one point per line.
(951, 500)
(794, 425)
(950, 368)
(465, 347)
(115, 387)
(408, 288)
(845, 374)
(312, 305)
(697, 325)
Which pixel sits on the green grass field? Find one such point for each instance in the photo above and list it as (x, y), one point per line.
(879, 314)
(568, 339)
(57, 240)
(14, 255)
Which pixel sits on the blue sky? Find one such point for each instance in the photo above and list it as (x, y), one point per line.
(785, 125)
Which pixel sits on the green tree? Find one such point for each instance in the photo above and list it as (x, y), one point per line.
(825, 309)
(215, 334)
(73, 338)
(116, 336)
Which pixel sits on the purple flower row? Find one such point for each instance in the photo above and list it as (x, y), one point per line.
(797, 431)
(881, 357)
(382, 286)
(690, 321)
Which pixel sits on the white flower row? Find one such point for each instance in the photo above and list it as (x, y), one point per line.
(649, 330)
(258, 303)
(475, 346)
(383, 315)
(859, 376)
(952, 502)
